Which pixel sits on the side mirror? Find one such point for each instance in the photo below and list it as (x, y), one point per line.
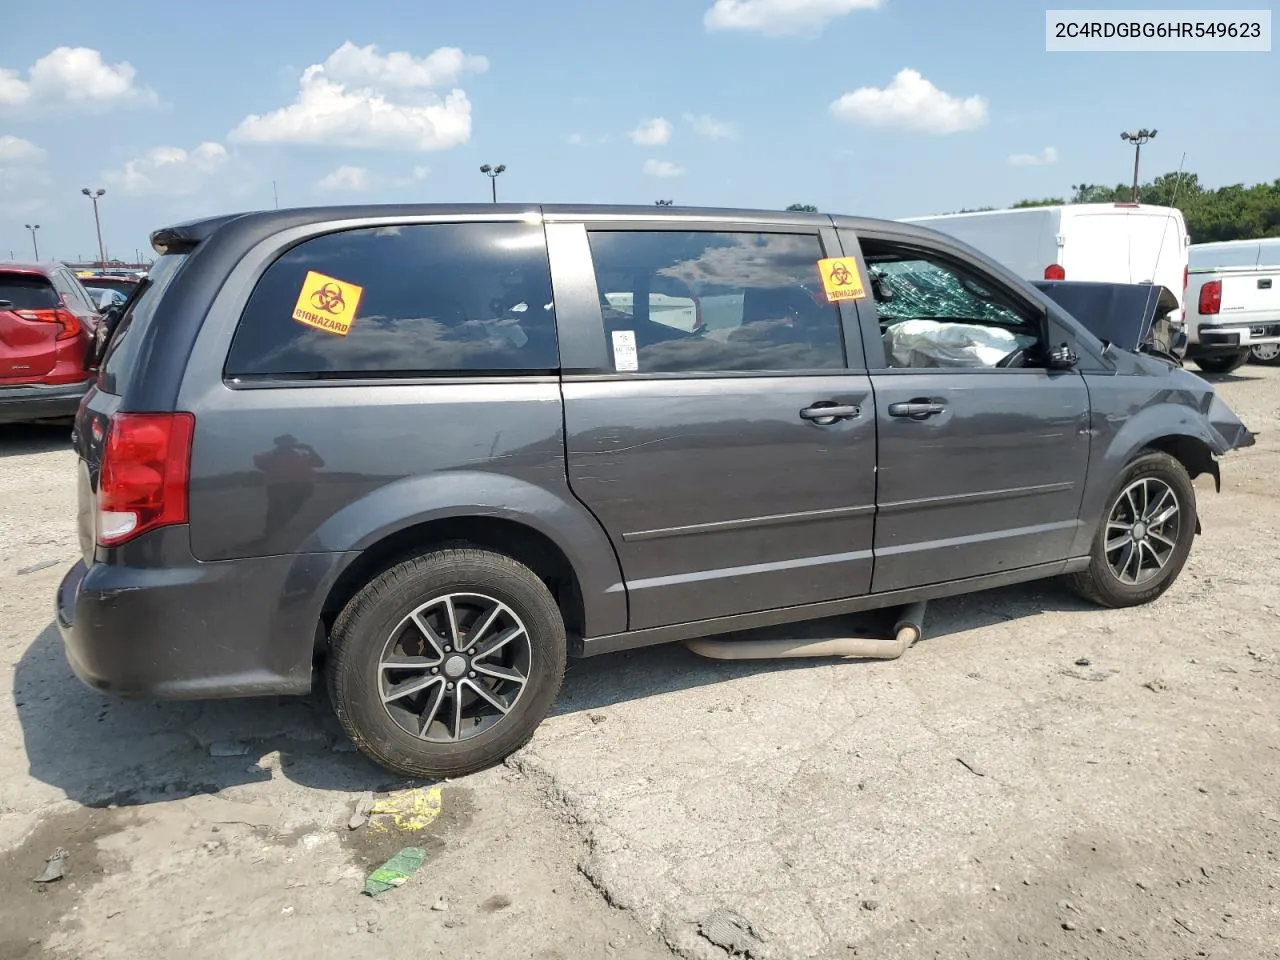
(1062, 358)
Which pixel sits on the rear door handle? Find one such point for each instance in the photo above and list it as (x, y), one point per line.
(828, 412)
(919, 409)
(1264, 283)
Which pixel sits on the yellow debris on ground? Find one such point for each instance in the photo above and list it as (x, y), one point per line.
(409, 811)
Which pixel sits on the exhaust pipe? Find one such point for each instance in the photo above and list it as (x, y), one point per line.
(907, 630)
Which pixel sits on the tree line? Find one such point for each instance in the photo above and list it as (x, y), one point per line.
(1234, 212)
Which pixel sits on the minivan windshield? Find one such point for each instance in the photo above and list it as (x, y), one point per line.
(127, 333)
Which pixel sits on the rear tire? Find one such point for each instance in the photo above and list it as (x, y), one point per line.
(1135, 522)
(474, 620)
(1268, 353)
(1222, 363)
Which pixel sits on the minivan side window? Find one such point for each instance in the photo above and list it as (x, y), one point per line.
(936, 314)
(707, 302)
(449, 298)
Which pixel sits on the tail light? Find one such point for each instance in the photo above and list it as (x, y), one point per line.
(1054, 271)
(1211, 298)
(146, 470)
(69, 322)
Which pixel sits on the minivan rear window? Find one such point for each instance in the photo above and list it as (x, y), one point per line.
(27, 292)
(415, 299)
(122, 352)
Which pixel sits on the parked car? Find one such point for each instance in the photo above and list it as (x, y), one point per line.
(47, 322)
(418, 445)
(1103, 242)
(1235, 293)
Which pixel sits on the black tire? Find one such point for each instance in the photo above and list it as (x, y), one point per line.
(368, 623)
(1099, 583)
(1223, 363)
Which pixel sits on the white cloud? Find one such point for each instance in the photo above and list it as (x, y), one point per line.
(14, 151)
(420, 173)
(662, 168)
(360, 99)
(73, 76)
(710, 127)
(652, 133)
(365, 67)
(911, 102)
(776, 18)
(345, 178)
(169, 171)
(1045, 156)
(22, 172)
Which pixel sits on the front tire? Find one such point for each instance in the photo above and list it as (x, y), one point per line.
(1223, 363)
(1144, 537)
(446, 663)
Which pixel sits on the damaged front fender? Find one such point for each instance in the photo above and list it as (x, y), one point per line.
(1226, 431)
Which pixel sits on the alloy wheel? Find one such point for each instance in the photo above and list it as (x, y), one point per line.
(1142, 530)
(454, 667)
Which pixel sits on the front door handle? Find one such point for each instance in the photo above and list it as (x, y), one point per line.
(827, 412)
(918, 409)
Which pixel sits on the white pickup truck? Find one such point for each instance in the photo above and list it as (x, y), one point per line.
(1233, 303)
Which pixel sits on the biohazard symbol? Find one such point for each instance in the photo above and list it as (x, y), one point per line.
(327, 303)
(329, 299)
(841, 279)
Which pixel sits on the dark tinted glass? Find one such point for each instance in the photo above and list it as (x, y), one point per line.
(27, 292)
(433, 298)
(123, 348)
(710, 302)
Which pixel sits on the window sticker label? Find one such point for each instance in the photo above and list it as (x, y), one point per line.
(327, 303)
(840, 279)
(625, 357)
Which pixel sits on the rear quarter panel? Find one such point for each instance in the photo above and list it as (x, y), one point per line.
(389, 455)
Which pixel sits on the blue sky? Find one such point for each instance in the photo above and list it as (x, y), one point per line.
(182, 110)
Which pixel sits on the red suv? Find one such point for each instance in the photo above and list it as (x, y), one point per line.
(47, 324)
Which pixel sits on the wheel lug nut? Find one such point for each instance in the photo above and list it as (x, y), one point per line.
(435, 670)
(448, 649)
(449, 686)
(472, 674)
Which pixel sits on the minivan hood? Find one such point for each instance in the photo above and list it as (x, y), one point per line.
(1121, 314)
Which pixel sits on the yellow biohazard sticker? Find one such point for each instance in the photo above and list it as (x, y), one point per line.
(841, 280)
(327, 303)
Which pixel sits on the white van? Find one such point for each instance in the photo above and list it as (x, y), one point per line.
(1234, 303)
(1108, 242)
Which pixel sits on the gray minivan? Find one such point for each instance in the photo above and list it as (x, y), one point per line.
(437, 449)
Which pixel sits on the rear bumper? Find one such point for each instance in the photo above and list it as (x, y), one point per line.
(1229, 338)
(237, 628)
(41, 402)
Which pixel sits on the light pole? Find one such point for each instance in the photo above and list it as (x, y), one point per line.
(35, 247)
(97, 223)
(1137, 139)
(492, 174)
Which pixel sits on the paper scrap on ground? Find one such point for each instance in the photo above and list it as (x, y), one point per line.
(395, 872)
(409, 811)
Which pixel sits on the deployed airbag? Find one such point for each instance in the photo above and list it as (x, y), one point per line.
(933, 343)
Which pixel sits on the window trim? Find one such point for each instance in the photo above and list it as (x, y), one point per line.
(874, 346)
(585, 354)
(266, 254)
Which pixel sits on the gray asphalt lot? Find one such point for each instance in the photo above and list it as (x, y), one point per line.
(1035, 778)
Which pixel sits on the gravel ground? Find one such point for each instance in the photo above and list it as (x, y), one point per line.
(1036, 778)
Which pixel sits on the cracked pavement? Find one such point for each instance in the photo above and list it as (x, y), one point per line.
(1035, 778)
